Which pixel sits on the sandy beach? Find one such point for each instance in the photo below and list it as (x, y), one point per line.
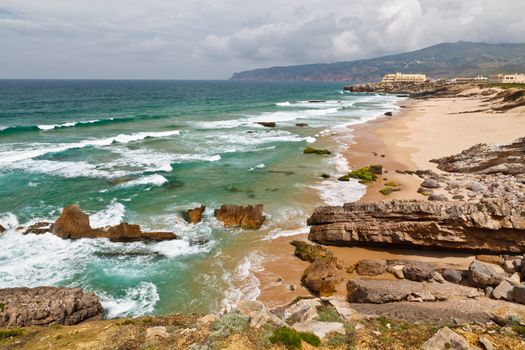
(422, 130)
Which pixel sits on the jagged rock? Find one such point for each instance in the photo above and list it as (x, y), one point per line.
(301, 311)
(487, 159)
(452, 275)
(487, 344)
(488, 292)
(194, 216)
(514, 279)
(2, 229)
(396, 270)
(309, 252)
(321, 276)
(371, 267)
(388, 114)
(249, 217)
(491, 225)
(73, 223)
(267, 124)
(320, 329)
(446, 339)
(512, 265)
(503, 291)
(42, 306)
(430, 183)
(438, 277)
(485, 275)
(418, 271)
(258, 314)
(491, 259)
(518, 294)
(38, 228)
(302, 125)
(383, 291)
(154, 334)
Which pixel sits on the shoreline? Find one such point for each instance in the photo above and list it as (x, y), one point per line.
(420, 131)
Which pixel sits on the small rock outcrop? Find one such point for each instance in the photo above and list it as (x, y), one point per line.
(371, 267)
(249, 217)
(267, 124)
(321, 277)
(73, 223)
(489, 225)
(2, 229)
(42, 306)
(446, 338)
(309, 252)
(487, 159)
(194, 216)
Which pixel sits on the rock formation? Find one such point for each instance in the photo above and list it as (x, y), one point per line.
(321, 277)
(267, 124)
(2, 229)
(487, 159)
(489, 225)
(249, 217)
(194, 216)
(42, 306)
(309, 252)
(73, 223)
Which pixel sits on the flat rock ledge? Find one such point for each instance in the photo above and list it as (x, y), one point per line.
(42, 306)
(494, 226)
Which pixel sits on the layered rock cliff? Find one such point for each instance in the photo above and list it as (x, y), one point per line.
(491, 225)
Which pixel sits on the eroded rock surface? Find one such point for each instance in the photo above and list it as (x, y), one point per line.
(322, 277)
(489, 225)
(41, 306)
(73, 223)
(309, 252)
(194, 216)
(249, 217)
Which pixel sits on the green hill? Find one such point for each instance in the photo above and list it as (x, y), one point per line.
(439, 61)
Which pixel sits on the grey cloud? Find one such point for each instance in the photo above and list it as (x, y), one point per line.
(211, 39)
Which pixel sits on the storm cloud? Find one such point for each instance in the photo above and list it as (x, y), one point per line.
(163, 39)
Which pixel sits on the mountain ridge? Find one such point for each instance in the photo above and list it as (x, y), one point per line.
(443, 60)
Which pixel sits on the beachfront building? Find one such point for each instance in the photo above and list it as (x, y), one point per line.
(404, 78)
(509, 78)
(478, 79)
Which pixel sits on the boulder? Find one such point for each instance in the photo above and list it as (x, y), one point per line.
(503, 291)
(73, 223)
(388, 114)
(518, 294)
(42, 306)
(484, 275)
(258, 314)
(430, 183)
(507, 314)
(418, 271)
(437, 197)
(452, 275)
(310, 252)
(371, 267)
(320, 329)
(321, 277)
(2, 229)
(491, 259)
(302, 125)
(194, 216)
(489, 225)
(475, 187)
(300, 311)
(154, 334)
(249, 217)
(446, 339)
(383, 291)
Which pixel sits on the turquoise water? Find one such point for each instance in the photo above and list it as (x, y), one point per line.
(144, 151)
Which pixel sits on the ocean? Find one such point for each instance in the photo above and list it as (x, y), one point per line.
(145, 151)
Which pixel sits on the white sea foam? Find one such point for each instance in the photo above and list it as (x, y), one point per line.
(259, 166)
(64, 168)
(136, 301)
(47, 127)
(112, 215)
(8, 220)
(244, 285)
(276, 233)
(150, 180)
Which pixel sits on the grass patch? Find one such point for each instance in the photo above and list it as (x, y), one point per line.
(311, 150)
(292, 339)
(328, 314)
(2, 307)
(387, 190)
(391, 184)
(231, 323)
(127, 322)
(364, 175)
(10, 333)
(505, 86)
(519, 329)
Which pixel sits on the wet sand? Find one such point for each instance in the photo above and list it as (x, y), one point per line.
(420, 131)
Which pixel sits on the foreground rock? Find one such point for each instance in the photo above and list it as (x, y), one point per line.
(487, 159)
(490, 225)
(446, 338)
(194, 216)
(384, 291)
(249, 217)
(322, 277)
(73, 223)
(42, 306)
(310, 252)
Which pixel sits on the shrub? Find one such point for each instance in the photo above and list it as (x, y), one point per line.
(2, 307)
(10, 333)
(127, 322)
(311, 150)
(231, 323)
(328, 314)
(519, 329)
(364, 175)
(386, 190)
(291, 339)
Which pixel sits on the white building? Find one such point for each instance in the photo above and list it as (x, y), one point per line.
(404, 78)
(510, 78)
(478, 79)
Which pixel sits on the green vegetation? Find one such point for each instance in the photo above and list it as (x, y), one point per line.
(391, 184)
(518, 328)
(2, 307)
(364, 175)
(291, 339)
(231, 323)
(504, 86)
(10, 333)
(387, 190)
(127, 322)
(311, 150)
(328, 314)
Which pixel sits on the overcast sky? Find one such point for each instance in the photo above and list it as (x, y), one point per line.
(210, 39)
